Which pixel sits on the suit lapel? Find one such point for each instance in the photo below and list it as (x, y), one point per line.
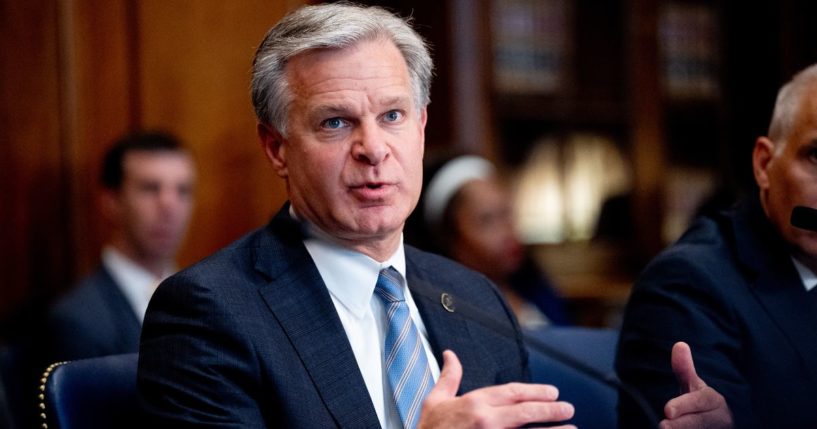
(788, 304)
(298, 299)
(121, 314)
(777, 285)
(447, 330)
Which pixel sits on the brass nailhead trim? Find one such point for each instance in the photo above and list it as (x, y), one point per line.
(41, 396)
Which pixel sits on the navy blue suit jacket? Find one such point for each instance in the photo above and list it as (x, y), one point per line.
(728, 288)
(250, 338)
(95, 319)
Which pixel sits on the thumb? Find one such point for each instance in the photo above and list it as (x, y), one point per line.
(450, 376)
(684, 368)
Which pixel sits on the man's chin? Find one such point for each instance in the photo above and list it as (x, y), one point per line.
(378, 220)
(805, 246)
(374, 232)
(164, 251)
(373, 229)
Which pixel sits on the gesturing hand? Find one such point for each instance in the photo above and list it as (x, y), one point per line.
(698, 406)
(505, 406)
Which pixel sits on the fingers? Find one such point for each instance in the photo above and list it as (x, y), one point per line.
(512, 393)
(508, 405)
(449, 382)
(530, 412)
(698, 406)
(699, 401)
(684, 368)
(710, 412)
(518, 404)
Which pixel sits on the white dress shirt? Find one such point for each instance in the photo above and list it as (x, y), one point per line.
(350, 278)
(808, 277)
(135, 282)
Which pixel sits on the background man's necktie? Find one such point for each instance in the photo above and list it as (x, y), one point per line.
(406, 363)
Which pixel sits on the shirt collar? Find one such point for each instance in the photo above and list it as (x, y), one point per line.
(135, 282)
(349, 276)
(124, 270)
(808, 277)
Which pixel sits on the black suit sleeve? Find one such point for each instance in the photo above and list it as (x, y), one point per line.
(195, 370)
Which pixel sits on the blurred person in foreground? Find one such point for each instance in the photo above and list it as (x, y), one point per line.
(727, 315)
(467, 215)
(323, 318)
(147, 180)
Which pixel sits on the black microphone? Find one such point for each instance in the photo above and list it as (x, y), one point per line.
(457, 305)
(804, 218)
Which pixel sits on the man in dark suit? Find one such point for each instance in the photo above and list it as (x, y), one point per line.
(289, 326)
(738, 289)
(147, 180)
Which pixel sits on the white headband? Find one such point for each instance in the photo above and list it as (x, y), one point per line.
(448, 180)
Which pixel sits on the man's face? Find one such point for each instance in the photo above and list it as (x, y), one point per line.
(353, 154)
(788, 178)
(153, 206)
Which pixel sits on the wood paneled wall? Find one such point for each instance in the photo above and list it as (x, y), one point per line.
(33, 212)
(74, 75)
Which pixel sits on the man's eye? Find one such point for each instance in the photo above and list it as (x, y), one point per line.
(333, 123)
(149, 187)
(393, 115)
(812, 155)
(185, 191)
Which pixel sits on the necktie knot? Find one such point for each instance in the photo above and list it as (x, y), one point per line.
(388, 286)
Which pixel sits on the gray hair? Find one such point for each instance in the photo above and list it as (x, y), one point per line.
(334, 26)
(789, 101)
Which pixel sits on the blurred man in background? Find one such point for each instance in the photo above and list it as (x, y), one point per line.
(148, 180)
(739, 293)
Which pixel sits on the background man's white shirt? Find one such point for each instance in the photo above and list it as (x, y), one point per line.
(135, 282)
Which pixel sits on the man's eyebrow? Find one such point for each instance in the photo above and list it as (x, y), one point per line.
(808, 148)
(328, 110)
(391, 101)
(809, 145)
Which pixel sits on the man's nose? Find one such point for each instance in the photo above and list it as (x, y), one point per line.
(370, 144)
(169, 198)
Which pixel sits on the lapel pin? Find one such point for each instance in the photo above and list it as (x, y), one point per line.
(447, 301)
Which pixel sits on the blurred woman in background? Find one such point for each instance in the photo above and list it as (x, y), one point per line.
(467, 216)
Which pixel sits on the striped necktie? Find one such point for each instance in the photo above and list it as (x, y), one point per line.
(406, 363)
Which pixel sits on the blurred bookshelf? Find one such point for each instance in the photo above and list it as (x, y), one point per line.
(531, 45)
(688, 36)
(639, 77)
(679, 88)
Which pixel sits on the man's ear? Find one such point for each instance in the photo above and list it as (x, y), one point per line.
(762, 156)
(273, 144)
(422, 123)
(423, 117)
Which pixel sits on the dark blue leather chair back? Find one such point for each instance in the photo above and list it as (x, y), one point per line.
(578, 361)
(91, 393)
(101, 392)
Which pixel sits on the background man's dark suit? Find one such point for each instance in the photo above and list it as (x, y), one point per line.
(730, 290)
(93, 320)
(250, 336)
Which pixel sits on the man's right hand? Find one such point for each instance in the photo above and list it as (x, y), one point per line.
(698, 406)
(505, 406)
